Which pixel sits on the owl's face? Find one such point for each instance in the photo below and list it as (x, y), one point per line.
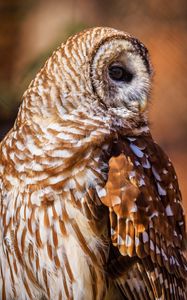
(121, 75)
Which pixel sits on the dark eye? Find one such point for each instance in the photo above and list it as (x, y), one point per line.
(119, 73)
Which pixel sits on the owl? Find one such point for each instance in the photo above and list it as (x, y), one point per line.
(90, 207)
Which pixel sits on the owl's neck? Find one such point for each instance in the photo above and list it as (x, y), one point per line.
(55, 144)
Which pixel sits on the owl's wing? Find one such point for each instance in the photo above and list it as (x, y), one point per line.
(147, 223)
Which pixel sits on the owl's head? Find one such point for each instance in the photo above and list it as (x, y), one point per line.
(100, 72)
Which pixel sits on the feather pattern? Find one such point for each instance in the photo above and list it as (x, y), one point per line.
(147, 222)
(90, 206)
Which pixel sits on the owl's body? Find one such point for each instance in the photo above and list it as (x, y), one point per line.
(90, 205)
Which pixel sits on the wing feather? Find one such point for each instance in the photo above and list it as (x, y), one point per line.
(146, 218)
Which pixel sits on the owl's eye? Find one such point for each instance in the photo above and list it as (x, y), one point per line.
(119, 73)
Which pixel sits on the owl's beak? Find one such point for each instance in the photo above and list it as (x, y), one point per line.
(143, 104)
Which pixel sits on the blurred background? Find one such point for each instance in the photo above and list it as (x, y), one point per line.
(31, 29)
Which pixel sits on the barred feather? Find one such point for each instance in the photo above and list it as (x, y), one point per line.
(90, 206)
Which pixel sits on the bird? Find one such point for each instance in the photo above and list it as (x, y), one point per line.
(90, 205)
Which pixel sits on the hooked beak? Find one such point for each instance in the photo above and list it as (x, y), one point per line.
(143, 104)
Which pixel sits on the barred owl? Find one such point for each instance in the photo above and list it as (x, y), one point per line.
(90, 204)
